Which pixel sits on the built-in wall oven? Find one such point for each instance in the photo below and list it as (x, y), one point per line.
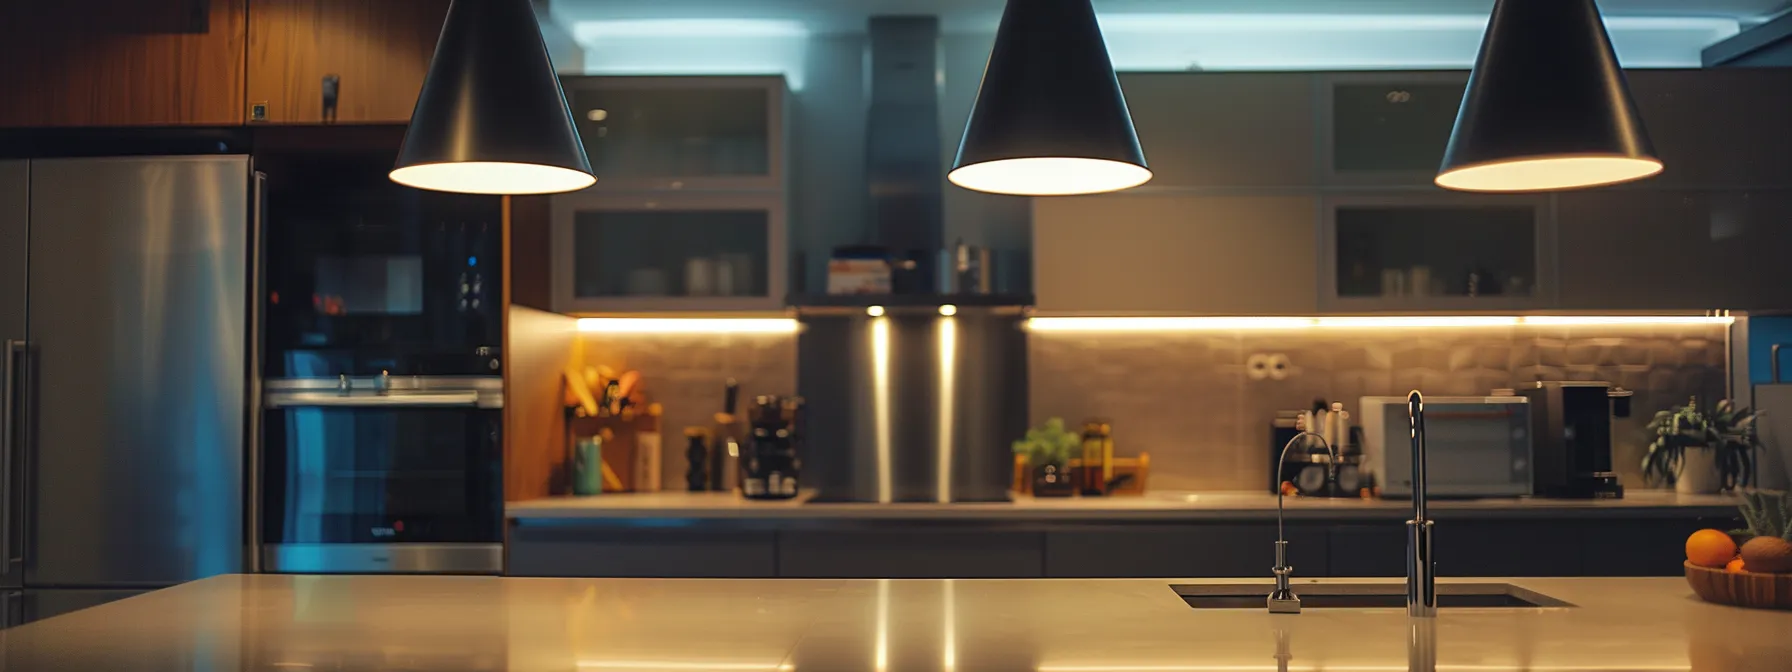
(382, 395)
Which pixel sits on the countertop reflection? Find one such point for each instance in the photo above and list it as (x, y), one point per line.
(1134, 625)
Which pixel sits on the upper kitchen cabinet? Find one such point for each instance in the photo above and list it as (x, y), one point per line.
(121, 63)
(1224, 130)
(1647, 249)
(1403, 252)
(1719, 127)
(339, 61)
(681, 133)
(1386, 129)
(668, 252)
(1174, 254)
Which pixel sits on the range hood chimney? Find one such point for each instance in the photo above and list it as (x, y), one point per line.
(904, 170)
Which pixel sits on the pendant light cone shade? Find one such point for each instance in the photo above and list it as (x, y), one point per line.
(491, 118)
(1547, 107)
(1049, 119)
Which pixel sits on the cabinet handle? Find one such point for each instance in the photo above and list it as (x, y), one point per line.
(332, 85)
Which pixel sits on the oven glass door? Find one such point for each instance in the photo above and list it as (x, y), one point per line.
(368, 275)
(385, 475)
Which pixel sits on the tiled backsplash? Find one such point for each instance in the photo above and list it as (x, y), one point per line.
(1191, 400)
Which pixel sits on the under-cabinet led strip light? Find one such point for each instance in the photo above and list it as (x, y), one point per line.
(1186, 324)
(692, 325)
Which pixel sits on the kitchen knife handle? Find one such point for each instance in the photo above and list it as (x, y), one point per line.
(9, 388)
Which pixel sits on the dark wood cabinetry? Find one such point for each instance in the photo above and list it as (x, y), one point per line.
(377, 50)
(121, 63)
(213, 62)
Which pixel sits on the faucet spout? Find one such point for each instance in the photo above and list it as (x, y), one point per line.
(1421, 568)
(1283, 600)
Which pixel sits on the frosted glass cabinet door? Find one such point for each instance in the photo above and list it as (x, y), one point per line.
(1437, 252)
(681, 132)
(1387, 129)
(668, 252)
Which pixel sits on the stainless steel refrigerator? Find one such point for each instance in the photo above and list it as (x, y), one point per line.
(124, 311)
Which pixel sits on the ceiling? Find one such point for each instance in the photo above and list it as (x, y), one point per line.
(822, 15)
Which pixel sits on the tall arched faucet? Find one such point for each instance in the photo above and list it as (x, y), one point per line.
(1421, 569)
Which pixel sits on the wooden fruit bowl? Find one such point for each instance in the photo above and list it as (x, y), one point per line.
(1747, 589)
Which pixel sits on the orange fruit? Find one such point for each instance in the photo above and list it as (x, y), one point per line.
(1735, 566)
(1710, 548)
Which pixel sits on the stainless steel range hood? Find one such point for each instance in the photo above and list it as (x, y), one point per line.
(903, 169)
(914, 403)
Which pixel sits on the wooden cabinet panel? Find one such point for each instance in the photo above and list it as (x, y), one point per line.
(1176, 254)
(379, 49)
(121, 63)
(1675, 249)
(1208, 130)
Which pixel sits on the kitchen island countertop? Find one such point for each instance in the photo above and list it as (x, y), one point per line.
(279, 622)
(1165, 506)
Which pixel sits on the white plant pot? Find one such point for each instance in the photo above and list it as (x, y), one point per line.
(1698, 474)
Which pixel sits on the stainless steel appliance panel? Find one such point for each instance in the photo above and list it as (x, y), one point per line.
(1773, 403)
(912, 406)
(1475, 446)
(403, 558)
(137, 331)
(15, 219)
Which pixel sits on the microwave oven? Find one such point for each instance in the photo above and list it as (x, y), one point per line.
(1475, 446)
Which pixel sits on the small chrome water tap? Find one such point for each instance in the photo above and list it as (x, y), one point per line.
(1283, 600)
(1421, 569)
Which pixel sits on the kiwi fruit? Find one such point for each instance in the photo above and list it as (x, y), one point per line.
(1768, 555)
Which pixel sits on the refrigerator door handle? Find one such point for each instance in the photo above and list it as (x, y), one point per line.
(18, 440)
(258, 210)
(9, 391)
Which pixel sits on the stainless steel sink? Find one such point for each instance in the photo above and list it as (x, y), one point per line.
(1365, 596)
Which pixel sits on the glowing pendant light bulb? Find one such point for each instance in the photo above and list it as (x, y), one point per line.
(1050, 119)
(1547, 107)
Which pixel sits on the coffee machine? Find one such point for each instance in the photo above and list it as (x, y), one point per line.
(1571, 424)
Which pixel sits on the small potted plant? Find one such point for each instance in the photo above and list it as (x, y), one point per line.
(1048, 449)
(1702, 450)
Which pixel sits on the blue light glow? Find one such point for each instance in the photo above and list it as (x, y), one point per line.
(1171, 42)
(694, 47)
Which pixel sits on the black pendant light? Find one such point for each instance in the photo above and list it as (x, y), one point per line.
(491, 118)
(1547, 106)
(1050, 118)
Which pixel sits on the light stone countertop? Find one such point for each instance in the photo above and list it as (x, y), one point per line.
(347, 623)
(1152, 506)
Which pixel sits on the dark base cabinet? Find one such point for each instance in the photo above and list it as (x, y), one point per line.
(640, 553)
(1239, 550)
(821, 548)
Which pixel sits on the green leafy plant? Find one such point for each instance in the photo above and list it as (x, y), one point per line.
(1725, 428)
(1049, 443)
(1768, 514)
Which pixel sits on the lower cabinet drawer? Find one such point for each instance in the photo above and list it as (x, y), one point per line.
(1242, 550)
(911, 554)
(586, 552)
